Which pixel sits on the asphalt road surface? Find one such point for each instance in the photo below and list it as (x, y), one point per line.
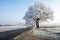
(9, 35)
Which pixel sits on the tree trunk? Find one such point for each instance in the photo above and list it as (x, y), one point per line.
(37, 23)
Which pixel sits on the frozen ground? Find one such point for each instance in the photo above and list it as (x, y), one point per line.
(54, 30)
(8, 28)
(45, 34)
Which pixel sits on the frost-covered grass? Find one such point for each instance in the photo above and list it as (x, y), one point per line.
(54, 30)
(8, 28)
(44, 34)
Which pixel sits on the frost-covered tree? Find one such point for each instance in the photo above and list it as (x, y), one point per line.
(38, 12)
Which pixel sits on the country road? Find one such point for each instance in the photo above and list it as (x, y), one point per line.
(9, 35)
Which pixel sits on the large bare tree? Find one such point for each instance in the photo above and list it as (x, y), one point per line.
(38, 12)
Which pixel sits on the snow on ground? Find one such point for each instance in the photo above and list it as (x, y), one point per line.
(8, 28)
(54, 30)
(43, 34)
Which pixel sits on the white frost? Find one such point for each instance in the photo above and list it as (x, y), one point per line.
(8, 28)
(40, 11)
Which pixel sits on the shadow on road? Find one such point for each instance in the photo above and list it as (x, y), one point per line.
(9, 35)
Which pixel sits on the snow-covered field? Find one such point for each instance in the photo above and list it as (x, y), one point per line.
(8, 28)
(54, 30)
(44, 34)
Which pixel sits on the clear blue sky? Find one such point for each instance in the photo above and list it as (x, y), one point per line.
(13, 11)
